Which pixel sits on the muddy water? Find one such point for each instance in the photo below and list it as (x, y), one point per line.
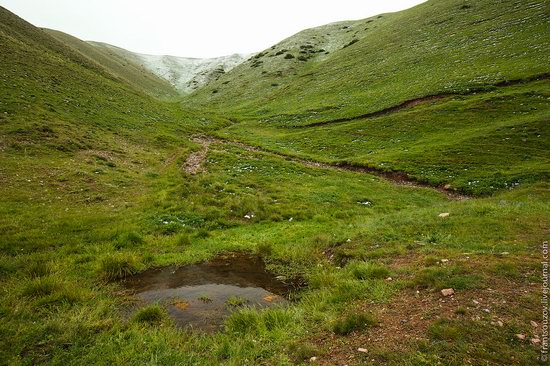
(203, 295)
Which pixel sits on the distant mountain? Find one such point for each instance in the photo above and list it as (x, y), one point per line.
(189, 74)
(119, 63)
(352, 68)
(157, 75)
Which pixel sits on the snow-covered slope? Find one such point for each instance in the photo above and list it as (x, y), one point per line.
(189, 74)
(184, 73)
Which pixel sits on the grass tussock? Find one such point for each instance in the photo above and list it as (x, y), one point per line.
(118, 266)
(354, 322)
(367, 270)
(150, 315)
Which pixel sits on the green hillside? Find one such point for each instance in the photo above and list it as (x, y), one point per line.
(340, 178)
(118, 63)
(475, 144)
(391, 100)
(450, 46)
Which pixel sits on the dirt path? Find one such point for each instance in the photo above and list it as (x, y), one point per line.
(195, 161)
(400, 178)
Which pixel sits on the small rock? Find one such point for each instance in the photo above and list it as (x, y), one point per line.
(363, 350)
(520, 336)
(447, 292)
(444, 260)
(389, 279)
(487, 310)
(313, 359)
(444, 214)
(505, 253)
(534, 324)
(475, 302)
(535, 341)
(500, 323)
(447, 186)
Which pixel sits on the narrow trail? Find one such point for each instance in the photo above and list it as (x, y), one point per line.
(195, 161)
(400, 178)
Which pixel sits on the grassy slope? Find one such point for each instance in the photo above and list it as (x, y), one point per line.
(91, 171)
(119, 65)
(479, 136)
(478, 144)
(436, 47)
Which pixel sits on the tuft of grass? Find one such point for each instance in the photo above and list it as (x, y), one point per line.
(41, 286)
(264, 249)
(118, 266)
(204, 298)
(151, 315)
(353, 322)
(266, 321)
(129, 240)
(243, 321)
(183, 240)
(302, 351)
(236, 301)
(38, 268)
(446, 277)
(444, 329)
(65, 295)
(461, 310)
(202, 234)
(367, 270)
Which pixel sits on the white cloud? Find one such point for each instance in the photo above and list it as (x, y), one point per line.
(199, 28)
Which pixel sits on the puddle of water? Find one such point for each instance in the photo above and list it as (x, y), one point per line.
(203, 295)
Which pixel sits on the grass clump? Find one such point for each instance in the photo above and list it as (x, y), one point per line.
(353, 322)
(204, 298)
(461, 310)
(129, 240)
(38, 268)
(236, 301)
(151, 315)
(115, 267)
(264, 249)
(253, 321)
(444, 329)
(183, 240)
(244, 321)
(300, 352)
(446, 277)
(40, 287)
(367, 270)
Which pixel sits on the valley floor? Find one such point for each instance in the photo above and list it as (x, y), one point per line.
(374, 270)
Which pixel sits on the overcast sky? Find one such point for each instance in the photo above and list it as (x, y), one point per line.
(198, 28)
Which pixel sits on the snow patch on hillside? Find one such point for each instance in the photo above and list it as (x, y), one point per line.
(189, 74)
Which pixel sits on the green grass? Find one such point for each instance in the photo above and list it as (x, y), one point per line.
(151, 315)
(116, 267)
(92, 191)
(353, 322)
(119, 64)
(366, 270)
(501, 148)
(435, 47)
